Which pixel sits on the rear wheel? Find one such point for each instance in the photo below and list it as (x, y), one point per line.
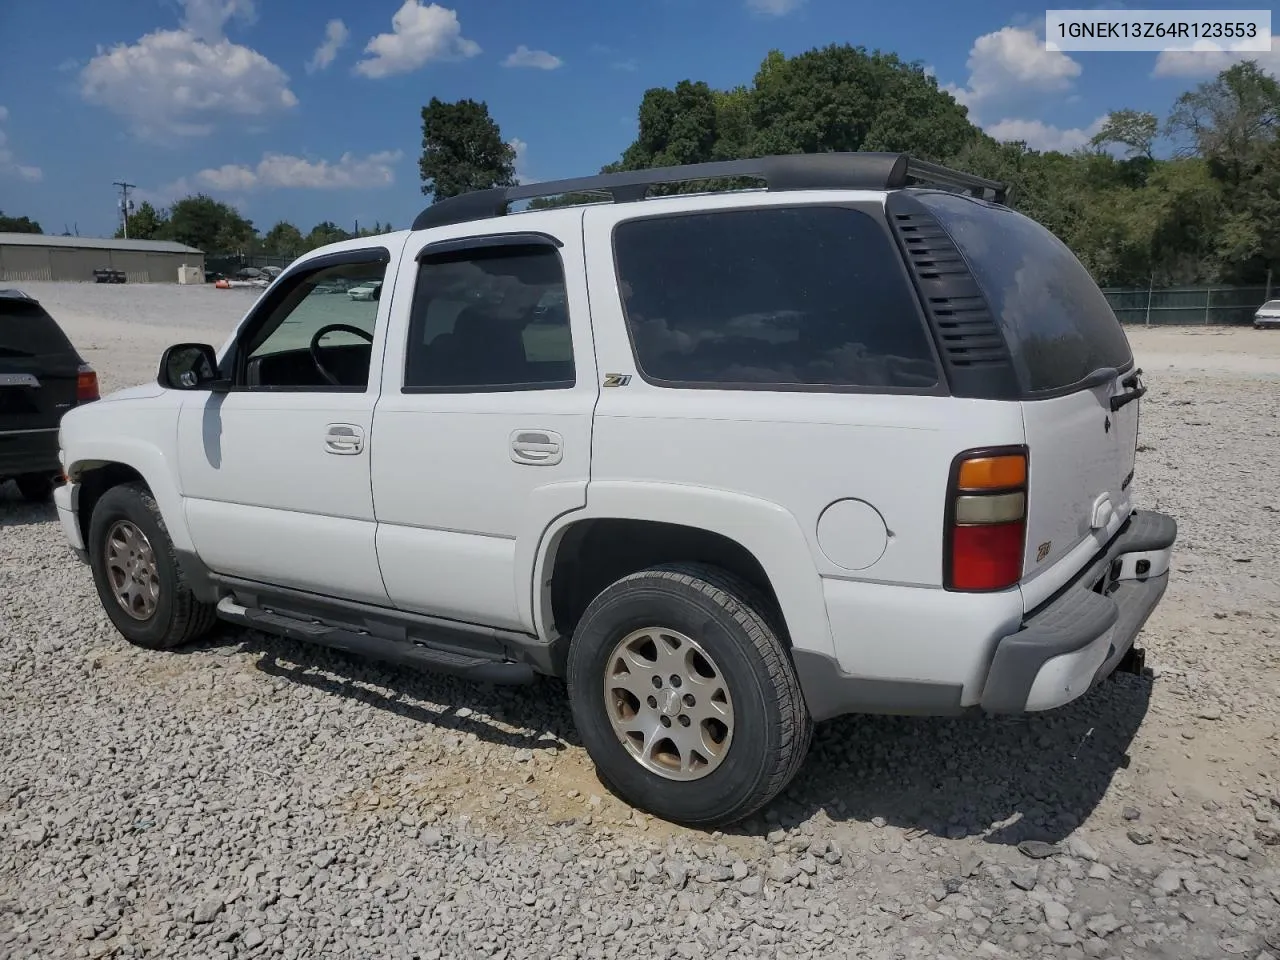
(36, 487)
(139, 581)
(685, 696)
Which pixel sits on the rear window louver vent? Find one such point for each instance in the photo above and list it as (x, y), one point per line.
(972, 348)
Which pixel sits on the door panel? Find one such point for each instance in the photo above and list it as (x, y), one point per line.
(483, 431)
(275, 473)
(267, 499)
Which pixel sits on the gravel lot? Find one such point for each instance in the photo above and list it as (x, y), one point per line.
(255, 797)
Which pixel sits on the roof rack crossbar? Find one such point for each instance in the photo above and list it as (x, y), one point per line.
(802, 171)
(934, 173)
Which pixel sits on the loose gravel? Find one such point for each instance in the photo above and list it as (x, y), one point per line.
(255, 797)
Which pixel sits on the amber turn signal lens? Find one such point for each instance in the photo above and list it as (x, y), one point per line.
(993, 473)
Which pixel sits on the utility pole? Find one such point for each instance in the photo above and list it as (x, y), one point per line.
(124, 204)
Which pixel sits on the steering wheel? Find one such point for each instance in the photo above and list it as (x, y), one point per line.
(314, 346)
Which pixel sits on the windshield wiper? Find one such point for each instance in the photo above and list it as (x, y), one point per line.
(1136, 389)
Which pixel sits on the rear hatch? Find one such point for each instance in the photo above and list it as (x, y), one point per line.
(1079, 388)
(38, 367)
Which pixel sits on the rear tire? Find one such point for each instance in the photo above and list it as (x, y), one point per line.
(139, 581)
(748, 716)
(35, 487)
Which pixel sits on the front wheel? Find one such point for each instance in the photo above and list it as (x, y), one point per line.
(139, 581)
(685, 696)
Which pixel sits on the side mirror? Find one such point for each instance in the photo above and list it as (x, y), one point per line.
(190, 366)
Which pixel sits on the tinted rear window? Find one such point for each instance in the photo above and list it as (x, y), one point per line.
(1056, 321)
(26, 330)
(771, 296)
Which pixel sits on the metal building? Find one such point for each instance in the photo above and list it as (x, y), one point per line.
(34, 256)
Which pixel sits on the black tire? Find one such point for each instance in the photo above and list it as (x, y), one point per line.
(730, 620)
(36, 487)
(178, 616)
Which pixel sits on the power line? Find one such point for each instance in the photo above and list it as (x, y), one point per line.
(124, 204)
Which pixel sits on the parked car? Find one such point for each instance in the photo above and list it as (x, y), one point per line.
(365, 291)
(41, 378)
(860, 443)
(108, 275)
(1268, 315)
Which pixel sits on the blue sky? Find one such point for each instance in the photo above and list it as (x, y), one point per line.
(308, 111)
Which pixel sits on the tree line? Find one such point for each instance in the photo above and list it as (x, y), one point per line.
(216, 228)
(1191, 197)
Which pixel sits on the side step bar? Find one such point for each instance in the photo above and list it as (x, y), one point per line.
(410, 651)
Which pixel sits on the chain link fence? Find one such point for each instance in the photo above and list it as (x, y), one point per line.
(1185, 306)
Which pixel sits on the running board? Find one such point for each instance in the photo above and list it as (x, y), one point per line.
(408, 650)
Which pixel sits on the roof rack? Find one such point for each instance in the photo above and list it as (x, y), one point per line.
(799, 171)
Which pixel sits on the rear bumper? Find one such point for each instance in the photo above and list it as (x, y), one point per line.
(1079, 636)
(28, 451)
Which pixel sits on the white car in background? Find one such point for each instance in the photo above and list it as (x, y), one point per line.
(1268, 315)
(366, 291)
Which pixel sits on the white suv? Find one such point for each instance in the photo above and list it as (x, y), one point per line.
(729, 463)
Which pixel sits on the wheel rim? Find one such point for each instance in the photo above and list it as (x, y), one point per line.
(131, 570)
(668, 703)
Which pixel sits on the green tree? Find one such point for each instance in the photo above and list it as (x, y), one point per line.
(210, 225)
(284, 240)
(324, 233)
(1135, 130)
(840, 97)
(18, 224)
(146, 223)
(463, 150)
(1230, 120)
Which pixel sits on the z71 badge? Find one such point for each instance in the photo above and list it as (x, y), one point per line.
(617, 379)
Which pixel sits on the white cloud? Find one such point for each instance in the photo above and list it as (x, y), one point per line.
(1210, 59)
(181, 82)
(1039, 135)
(279, 170)
(773, 8)
(538, 59)
(1011, 66)
(522, 157)
(419, 34)
(204, 19)
(335, 35)
(9, 165)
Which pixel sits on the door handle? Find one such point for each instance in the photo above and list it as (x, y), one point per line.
(537, 447)
(343, 438)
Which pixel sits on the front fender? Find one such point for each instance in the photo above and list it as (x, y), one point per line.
(770, 532)
(140, 436)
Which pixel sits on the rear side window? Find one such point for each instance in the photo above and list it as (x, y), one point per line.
(490, 320)
(1058, 325)
(771, 298)
(27, 330)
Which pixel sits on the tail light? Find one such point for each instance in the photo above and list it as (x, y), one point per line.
(86, 384)
(986, 520)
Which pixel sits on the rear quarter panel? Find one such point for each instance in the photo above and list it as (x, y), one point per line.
(799, 451)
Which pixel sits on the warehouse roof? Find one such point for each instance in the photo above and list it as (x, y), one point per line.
(93, 243)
